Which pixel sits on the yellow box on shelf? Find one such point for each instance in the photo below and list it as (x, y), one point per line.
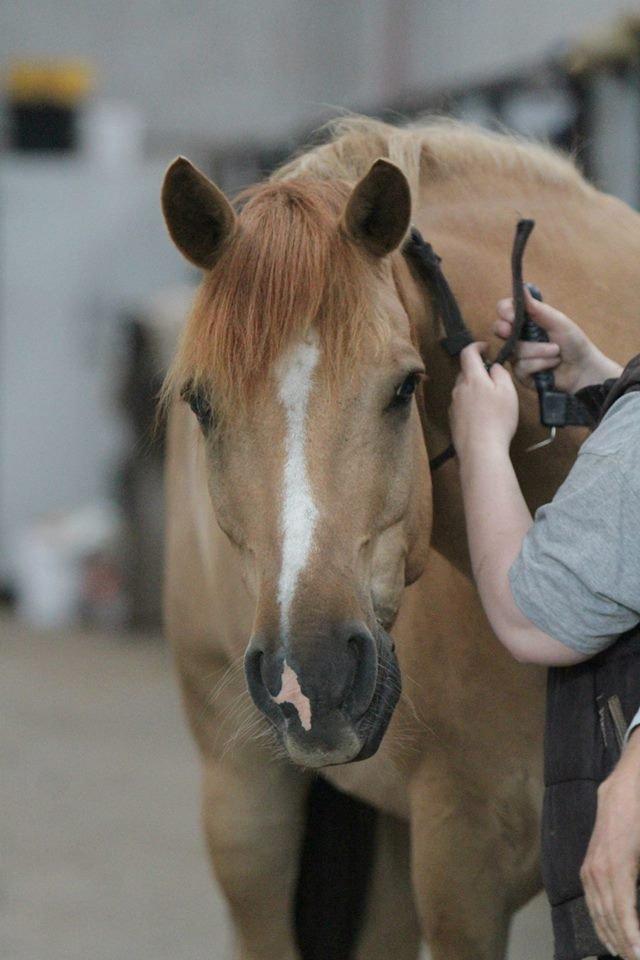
(65, 82)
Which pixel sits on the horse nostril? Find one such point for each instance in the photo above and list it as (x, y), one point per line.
(256, 676)
(271, 673)
(253, 667)
(363, 647)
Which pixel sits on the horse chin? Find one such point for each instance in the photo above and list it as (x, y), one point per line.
(352, 741)
(317, 756)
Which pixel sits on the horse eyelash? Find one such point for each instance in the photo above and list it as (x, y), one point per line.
(400, 403)
(199, 404)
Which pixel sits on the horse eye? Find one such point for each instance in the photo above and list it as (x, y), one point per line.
(199, 404)
(406, 390)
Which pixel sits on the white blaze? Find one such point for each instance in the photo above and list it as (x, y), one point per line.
(299, 512)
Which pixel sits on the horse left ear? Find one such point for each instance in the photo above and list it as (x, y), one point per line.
(378, 211)
(199, 217)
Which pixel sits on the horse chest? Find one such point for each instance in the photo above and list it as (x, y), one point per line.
(377, 781)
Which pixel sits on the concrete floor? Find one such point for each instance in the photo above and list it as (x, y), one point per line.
(101, 850)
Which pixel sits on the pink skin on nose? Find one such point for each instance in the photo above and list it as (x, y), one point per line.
(290, 692)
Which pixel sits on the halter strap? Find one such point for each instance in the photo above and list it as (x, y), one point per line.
(426, 266)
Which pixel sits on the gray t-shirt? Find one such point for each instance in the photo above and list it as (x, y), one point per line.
(577, 576)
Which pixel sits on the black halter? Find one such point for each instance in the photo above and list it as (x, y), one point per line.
(557, 409)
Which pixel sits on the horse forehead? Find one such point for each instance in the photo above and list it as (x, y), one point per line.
(310, 395)
(309, 398)
(295, 371)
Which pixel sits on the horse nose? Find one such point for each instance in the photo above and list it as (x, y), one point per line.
(313, 678)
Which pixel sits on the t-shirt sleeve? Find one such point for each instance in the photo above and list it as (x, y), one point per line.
(577, 576)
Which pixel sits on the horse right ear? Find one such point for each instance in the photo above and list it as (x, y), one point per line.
(199, 217)
(378, 211)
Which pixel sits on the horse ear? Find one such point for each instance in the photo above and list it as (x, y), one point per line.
(199, 217)
(378, 211)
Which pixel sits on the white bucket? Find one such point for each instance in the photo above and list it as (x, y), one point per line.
(51, 563)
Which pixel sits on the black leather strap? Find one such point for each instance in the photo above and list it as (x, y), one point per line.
(425, 263)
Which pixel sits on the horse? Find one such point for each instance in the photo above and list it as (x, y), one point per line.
(318, 592)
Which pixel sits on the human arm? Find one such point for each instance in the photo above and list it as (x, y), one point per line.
(484, 417)
(575, 572)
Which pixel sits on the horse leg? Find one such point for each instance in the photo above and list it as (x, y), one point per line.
(464, 877)
(390, 928)
(254, 817)
(254, 807)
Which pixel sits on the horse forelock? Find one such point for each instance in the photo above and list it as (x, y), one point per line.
(288, 269)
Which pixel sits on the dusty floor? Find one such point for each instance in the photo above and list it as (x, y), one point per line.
(101, 855)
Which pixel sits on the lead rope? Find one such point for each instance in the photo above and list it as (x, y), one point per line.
(557, 409)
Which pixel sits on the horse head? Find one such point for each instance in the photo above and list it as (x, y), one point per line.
(298, 361)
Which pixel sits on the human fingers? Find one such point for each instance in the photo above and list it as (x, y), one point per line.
(503, 329)
(532, 350)
(499, 375)
(625, 914)
(526, 368)
(550, 319)
(600, 922)
(505, 309)
(543, 313)
(599, 902)
(503, 326)
(471, 360)
(553, 321)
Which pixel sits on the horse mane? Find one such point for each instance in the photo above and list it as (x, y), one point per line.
(289, 267)
(433, 149)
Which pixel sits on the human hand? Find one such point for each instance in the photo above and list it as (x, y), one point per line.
(610, 870)
(574, 359)
(484, 404)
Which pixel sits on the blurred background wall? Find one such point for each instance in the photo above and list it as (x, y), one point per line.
(223, 72)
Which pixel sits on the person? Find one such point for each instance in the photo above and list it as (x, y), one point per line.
(563, 589)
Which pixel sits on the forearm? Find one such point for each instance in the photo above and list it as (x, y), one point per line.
(497, 519)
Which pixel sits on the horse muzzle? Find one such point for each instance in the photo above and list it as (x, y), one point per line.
(330, 698)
